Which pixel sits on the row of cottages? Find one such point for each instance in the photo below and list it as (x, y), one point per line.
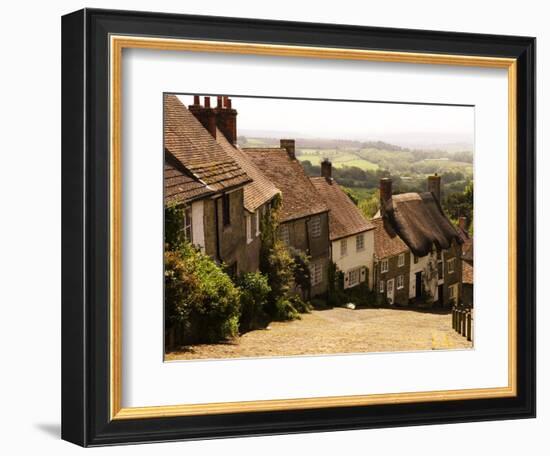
(418, 253)
(222, 191)
(410, 250)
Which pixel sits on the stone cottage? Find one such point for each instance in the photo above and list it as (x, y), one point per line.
(351, 235)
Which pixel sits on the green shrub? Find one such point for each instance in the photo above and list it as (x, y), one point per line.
(299, 304)
(284, 310)
(202, 303)
(254, 300)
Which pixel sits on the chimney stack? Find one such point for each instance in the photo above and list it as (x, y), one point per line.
(385, 193)
(226, 119)
(290, 146)
(326, 169)
(204, 114)
(462, 223)
(434, 186)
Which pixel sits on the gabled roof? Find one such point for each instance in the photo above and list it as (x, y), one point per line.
(179, 185)
(299, 196)
(345, 218)
(386, 241)
(261, 189)
(195, 149)
(419, 220)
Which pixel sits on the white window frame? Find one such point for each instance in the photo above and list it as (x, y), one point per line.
(450, 265)
(343, 247)
(385, 262)
(354, 274)
(452, 289)
(188, 224)
(400, 282)
(360, 239)
(401, 260)
(315, 226)
(249, 238)
(316, 274)
(381, 286)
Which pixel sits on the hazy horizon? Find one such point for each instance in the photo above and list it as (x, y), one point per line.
(406, 125)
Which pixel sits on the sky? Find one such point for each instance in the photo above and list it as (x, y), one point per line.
(401, 124)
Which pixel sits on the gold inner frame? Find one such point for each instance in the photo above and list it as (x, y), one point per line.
(117, 44)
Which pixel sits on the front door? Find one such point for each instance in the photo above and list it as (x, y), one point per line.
(418, 285)
(389, 290)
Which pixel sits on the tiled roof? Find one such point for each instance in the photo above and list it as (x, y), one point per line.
(299, 196)
(345, 218)
(261, 189)
(197, 151)
(179, 185)
(420, 222)
(467, 273)
(386, 241)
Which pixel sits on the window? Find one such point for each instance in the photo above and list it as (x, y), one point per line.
(285, 234)
(384, 265)
(451, 265)
(316, 273)
(257, 218)
(381, 286)
(401, 260)
(315, 226)
(400, 282)
(343, 247)
(354, 277)
(439, 255)
(226, 212)
(187, 225)
(360, 242)
(249, 237)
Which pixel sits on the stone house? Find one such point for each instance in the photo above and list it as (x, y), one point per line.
(304, 221)
(203, 178)
(391, 267)
(351, 235)
(435, 266)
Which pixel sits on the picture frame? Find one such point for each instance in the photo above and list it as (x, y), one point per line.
(92, 45)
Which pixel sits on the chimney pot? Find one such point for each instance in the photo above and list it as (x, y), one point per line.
(206, 102)
(196, 100)
(290, 146)
(326, 169)
(219, 102)
(434, 186)
(462, 223)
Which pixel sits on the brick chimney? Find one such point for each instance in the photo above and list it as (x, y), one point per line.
(226, 119)
(385, 193)
(463, 223)
(326, 169)
(204, 114)
(290, 146)
(434, 186)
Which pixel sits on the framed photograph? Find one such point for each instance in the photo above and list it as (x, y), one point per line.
(268, 227)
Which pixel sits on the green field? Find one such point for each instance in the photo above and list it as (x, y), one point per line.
(338, 157)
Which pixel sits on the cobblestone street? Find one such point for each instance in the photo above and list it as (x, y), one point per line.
(339, 330)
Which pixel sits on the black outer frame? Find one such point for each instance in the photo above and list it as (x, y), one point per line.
(85, 227)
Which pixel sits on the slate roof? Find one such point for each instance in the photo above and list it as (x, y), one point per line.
(299, 196)
(197, 152)
(386, 241)
(419, 220)
(261, 189)
(345, 218)
(179, 185)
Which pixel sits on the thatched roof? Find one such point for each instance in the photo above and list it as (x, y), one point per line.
(419, 220)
